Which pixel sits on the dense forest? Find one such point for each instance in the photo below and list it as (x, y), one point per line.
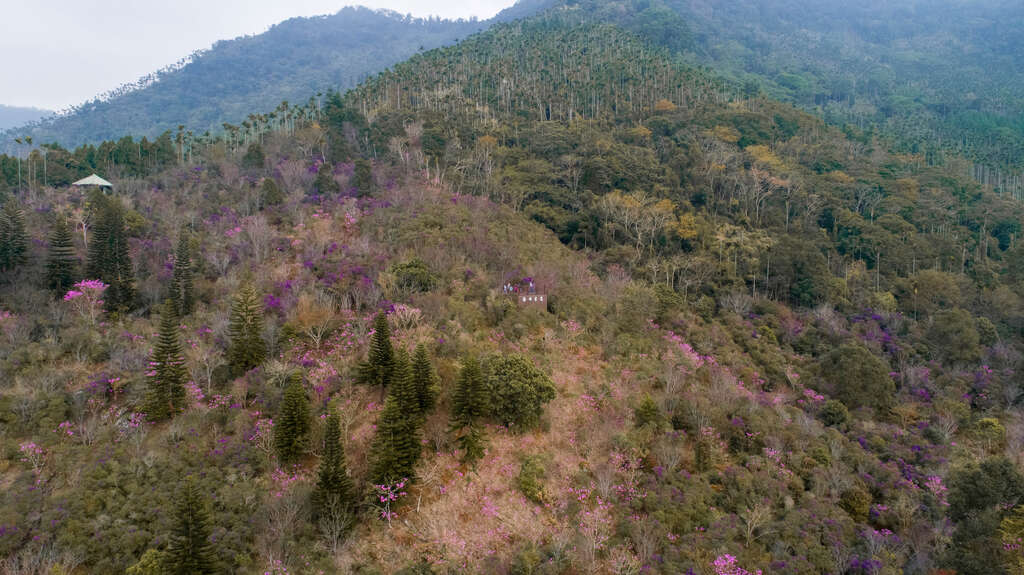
(935, 78)
(768, 344)
(292, 61)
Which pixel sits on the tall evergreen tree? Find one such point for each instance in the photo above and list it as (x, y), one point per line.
(424, 380)
(108, 257)
(291, 426)
(190, 551)
(376, 370)
(246, 349)
(362, 177)
(325, 183)
(182, 290)
(13, 239)
(469, 402)
(334, 488)
(61, 260)
(396, 448)
(167, 375)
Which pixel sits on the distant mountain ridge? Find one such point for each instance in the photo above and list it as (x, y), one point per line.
(291, 61)
(11, 116)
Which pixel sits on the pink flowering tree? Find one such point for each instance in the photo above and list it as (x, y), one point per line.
(33, 455)
(388, 496)
(86, 297)
(726, 565)
(262, 436)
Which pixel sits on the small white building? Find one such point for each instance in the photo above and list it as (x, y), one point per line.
(94, 181)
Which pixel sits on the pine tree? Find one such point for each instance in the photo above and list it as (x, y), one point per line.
(472, 442)
(190, 551)
(167, 375)
(362, 178)
(61, 261)
(469, 402)
(376, 370)
(13, 239)
(424, 380)
(182, 291)
(108, 258)
(397, 445)
(96, 252)
(334, 489)
(246, 349)
(291, 427)
(325, 183)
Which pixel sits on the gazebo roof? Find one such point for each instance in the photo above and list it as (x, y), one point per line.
(93, 180)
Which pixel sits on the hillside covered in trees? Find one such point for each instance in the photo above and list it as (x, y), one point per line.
(292, 61)
(769, 345)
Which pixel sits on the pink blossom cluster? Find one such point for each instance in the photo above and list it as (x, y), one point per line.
(937, 488)
(350, 221)
(219, 400)
(65, 429)
(588, 403)
(775, 456)
(283, 480)
(262, 433)
(389, 496)
(572, 327)
(594, 520)
(689, 354)
(726, 565)
(86, 297)
(136, 419)
(813, 396)
(195, 393)
(33, 455)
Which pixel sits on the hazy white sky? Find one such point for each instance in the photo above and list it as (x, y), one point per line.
(64, 52)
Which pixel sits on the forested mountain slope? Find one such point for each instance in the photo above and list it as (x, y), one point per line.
(291, 61)
(767, 344)
(933, 76)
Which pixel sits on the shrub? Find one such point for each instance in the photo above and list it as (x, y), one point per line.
(834, 413)
(517, 389)
(857, 502)
(646, 413)
(414, 276)
(858, 378)
(531, 473)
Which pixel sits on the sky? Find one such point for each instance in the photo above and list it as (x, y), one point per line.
(68, 51)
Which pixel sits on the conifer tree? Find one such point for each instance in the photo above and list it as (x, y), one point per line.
(376, 370)
(182, 291)
(469, 402)
(61, 260)
(396, 448)
(108, 257)
(190, 551)
(246, 349)
(291, 427)
(325, 182)
(362, 177)
(424, 380)
(167, 375)
(472, 442)
(13, 239)
(334, 490)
